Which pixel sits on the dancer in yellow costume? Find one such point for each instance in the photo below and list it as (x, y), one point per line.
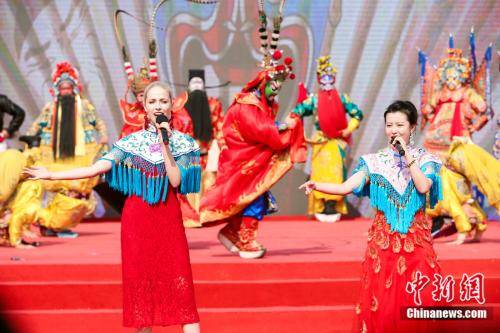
(72, 135)
(68, 129)
(329, 142)
(21, 202)
(455, 101)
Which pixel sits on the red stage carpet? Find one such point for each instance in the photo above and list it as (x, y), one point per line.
(308, 282)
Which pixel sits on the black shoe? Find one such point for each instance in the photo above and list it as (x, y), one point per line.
(330, 207)
(437, 223)
(25, 242)
(32, 141)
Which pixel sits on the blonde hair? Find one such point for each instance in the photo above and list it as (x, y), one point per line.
(157, 84)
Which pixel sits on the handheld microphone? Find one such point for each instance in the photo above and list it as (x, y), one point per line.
(164, 134)
(397, 146)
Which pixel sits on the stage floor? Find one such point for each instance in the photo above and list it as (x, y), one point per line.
(308, 281)
(294, 240)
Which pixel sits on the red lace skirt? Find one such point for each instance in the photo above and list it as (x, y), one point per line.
(157, 279)
(391, 261)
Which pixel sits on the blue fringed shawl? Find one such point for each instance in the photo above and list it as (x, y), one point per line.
(139, 168)
(399, 207)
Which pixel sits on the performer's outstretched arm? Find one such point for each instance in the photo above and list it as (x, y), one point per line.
(345, 188)
(99, 167)
(262, 130)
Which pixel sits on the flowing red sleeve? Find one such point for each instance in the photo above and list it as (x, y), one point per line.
(256, 126)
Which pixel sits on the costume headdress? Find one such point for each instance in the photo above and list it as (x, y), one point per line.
(454, 62)
(153, 44)
(271, 68)
(196, 73)
(65, 72)
(432, 78)
(148, 72)
(324, 67)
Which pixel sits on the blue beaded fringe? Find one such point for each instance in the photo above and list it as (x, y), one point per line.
(152, 188)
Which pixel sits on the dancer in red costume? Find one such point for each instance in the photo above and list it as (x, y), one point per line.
(150, 168)
(255, 154)
(397, 180)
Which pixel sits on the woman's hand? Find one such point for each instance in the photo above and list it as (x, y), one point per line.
(308, 186)
(345, 133)
(35, 173)
(104, 140)
(402, 142)
(290, 121)
(165, 125)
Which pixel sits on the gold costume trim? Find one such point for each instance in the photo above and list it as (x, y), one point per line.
(280, 165)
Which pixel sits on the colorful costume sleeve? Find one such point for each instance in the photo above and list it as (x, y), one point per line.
(353, 111)
(95, 120)
(306, 107)
(478, 118)
(41, 121)
(428, 109)
(265, 131)
(431, 170)
(363, 189)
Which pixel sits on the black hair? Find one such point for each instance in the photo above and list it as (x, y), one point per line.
(406, 107)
